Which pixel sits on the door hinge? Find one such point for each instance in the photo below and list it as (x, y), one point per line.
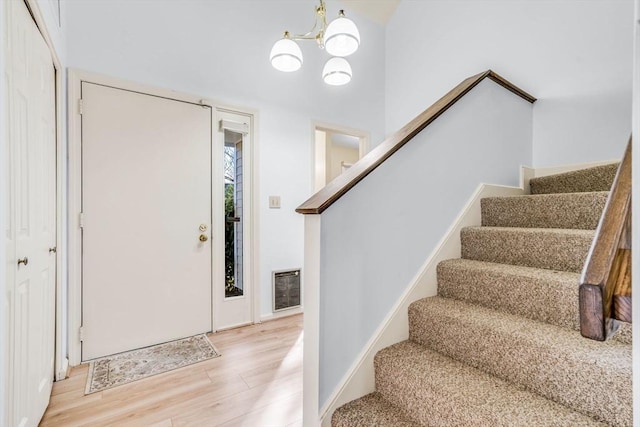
(81, 333)
(81, 220)
(80, 105)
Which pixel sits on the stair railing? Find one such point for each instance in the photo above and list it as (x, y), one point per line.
(605, 284)
(344, 182)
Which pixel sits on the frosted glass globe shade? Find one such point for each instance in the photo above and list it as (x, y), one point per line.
(342, 37)
(286, 55)
(337, 72)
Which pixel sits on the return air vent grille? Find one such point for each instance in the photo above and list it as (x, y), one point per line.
(286, 289)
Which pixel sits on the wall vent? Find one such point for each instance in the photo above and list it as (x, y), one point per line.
(286, 289)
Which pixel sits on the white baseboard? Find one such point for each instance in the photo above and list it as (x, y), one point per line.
(281, 314)
(359, 379)
(526, 173)
(64, 370)
(234, 326)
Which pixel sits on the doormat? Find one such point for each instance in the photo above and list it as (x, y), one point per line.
(123, 368)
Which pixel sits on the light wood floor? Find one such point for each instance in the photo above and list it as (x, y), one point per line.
(256, 382)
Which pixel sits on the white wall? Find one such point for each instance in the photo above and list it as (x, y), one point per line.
(53, 13)
(377, 236)
(220, 50)
(320, 168)
(573, 55)
(284, 170)
(3, 210)
(336, 156)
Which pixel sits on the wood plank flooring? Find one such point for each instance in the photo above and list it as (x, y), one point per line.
(256, 382)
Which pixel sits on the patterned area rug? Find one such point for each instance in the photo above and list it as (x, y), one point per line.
(123, 368)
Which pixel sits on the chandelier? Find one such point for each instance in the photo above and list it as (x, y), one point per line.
(340, 38)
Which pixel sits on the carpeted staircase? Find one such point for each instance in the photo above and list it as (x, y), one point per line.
(500, 344)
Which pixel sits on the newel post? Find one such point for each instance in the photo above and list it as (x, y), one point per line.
(311, 304)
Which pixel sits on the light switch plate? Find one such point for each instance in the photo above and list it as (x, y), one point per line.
(274, 202)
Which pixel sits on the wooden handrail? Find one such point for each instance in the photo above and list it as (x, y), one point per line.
(605, 284)
(344, 182)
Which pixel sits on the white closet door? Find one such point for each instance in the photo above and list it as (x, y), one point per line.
(31, 233)
(146, 202)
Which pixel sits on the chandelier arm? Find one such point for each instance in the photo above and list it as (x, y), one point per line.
(321, 17)
(302, 37)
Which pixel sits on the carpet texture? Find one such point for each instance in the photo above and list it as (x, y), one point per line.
(534, 293)
(549, 248)
(624, 334)
(372, 411)
(123, 368)
(499, 345)
(588, 376)
(570, 210)
(439, 391)
(599, 178)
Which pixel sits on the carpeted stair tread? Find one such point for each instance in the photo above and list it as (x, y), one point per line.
(439, 391)
(369, 411)
(549, 248)
(624, 334)
(588, 376)
(598, 178)
(545, 295)
(568, 210)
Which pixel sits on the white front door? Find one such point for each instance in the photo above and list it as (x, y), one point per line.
(146, 236)
(29, 304)
(232, 192)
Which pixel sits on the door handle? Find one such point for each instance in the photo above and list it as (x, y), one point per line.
(203, 238)
(24, 261)
(53, 249)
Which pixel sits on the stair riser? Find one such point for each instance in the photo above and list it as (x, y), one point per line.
(556, 371)
(438, 391)
(551, 297)
(540, 248)
(599, 178)
(577, 211)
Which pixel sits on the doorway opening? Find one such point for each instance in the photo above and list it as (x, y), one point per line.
(335, 151)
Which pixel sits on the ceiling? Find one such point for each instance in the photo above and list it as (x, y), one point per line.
(379, 11)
